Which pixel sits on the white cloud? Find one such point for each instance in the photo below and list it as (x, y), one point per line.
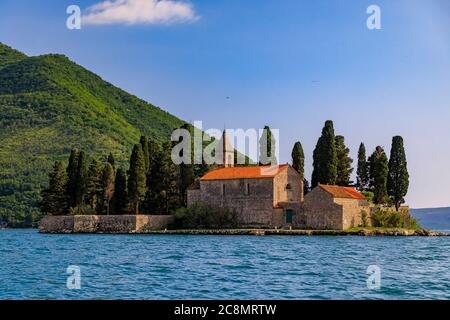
(133, 12)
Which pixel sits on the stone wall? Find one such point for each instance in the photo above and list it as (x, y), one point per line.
(321, 212)
(288, 187)
(104, 224)
(352, 208)
(252, 199)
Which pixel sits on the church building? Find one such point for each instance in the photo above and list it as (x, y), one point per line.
(272, 196)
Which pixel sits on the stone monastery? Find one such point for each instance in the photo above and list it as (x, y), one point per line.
(272, 196)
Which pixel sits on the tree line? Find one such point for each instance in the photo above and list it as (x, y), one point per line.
(152, 184)
(384, 180)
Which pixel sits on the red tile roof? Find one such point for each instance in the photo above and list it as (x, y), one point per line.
(253, 172)
(342, 192)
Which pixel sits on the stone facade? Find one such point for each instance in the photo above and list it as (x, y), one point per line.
(258, 199)
(323, 210)
(104, 224)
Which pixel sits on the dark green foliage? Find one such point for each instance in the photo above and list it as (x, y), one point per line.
(9, 55)
(163, 194)
(201, 215)
(107, 187)
(325, 158)
(398, 177)
(364, 218)
(81, 179)
(267, 148)
(136, 178)
(344, 162)
(362, 178)
(94, 187)
(72, 172)
(369, 196)
(54, 199)
(144, 144)
(201, 169)
(298, 159)
(186, 171)
(111, 160)
(306, 187)
(384, 218)
(120, 197)
(378, 171)
(48, 104)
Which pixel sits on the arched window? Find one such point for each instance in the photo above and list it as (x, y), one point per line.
(288, 186)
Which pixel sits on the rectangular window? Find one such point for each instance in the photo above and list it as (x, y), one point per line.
(223, 189)
(247, 189)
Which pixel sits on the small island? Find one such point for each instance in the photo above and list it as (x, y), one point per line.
(155, 196)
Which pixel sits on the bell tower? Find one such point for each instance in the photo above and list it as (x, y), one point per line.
(228, 151)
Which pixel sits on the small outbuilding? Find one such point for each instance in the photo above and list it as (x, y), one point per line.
(333, 207)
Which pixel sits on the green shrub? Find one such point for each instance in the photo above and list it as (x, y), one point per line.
(369, 195)
(201, 215)
(364, 219)
(385, 218)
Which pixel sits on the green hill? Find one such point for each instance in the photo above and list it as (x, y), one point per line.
(48, 105)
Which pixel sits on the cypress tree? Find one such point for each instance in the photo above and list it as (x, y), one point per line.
(325, 158)
(153, 152)
(267, 148)
(362, 179)
(144, 144)
(136, 177)
(120, 197)
(378, 170)
(298, 159)
(344, 162)
(163, 195)
(54, 198)
(306, 188)
(94, 189)
(186, 172)
(72, 171)
(107, 186)
(398, 177)
(81, 178)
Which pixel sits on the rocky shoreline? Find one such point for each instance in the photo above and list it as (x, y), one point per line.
(147, 224)
(283, 232)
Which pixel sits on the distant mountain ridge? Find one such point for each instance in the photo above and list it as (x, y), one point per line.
(48, 105)
(433, 218)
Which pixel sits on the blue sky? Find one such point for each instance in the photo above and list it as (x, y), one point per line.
(288, 64)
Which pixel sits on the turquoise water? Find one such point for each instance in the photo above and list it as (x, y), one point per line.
(33, 266)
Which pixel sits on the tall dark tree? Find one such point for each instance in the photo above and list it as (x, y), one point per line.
(144, 144)
(298, 159)
(398, 177)
(325, 158)
(344, 162)
(186, 172)
(107, 186)
(153, 151)
(306, 187)
(362, 178)
(201, 169)
(163, 194)
(54, 198)
(94, 188)
(267, 152)
(136, 177)
(378, 170)
(120, 197)
(72, 172)
(81, 178)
